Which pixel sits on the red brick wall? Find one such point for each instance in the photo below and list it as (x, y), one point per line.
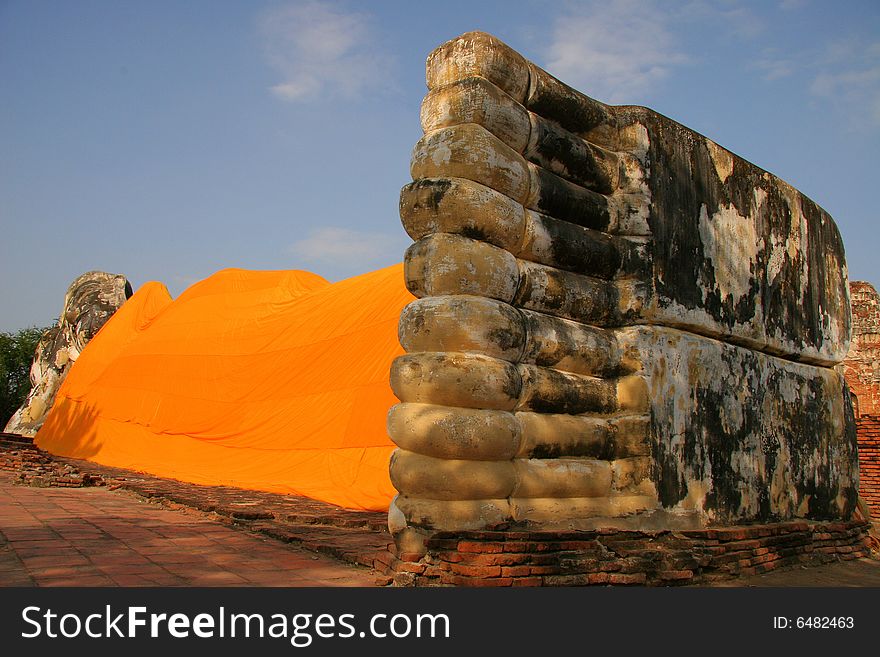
(868, 431)
(862, 364)
(862, 371)
(523, 558)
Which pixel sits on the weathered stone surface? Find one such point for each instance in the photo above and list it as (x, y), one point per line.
(567, 246)
(578, 512)
(463, 323)
(417, 475)
(565, 294)
(452, 514)
(449, 264)
(562, 477)
(569, 346)
(476, 100)
(633, 475)
(555, 149)
(671, 312)
(741, 435)
(632, 394)
(89, 302)
(737, 253)
(630, 436)
(455, 433)
(470, 151)
(470, 209)
(478, 54)
(552, 435)
(548, 391)
(456, 379)
(461, 207)
(571, 109)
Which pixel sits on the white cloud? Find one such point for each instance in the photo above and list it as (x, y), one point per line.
(616, 51)
(775, 67)
(850, 78)
(334, 245)
(317, 48)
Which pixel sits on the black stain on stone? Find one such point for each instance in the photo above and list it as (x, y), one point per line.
(680, 185)
(427, 192)
(564, 200)
(725, 495)
(669, 461)
(803, 287)
(506, 339)
(636, 260)
(821, 466)
(548, 451)
(575, 112)
(474, 233)
(570, 157)
(565, 294)
(554, 450)
(735, 458)
(848, 460)
(553, 392)
(415, 321)
(582, 250)
(513, 385)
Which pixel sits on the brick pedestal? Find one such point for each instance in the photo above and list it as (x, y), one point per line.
(868, 431)
(614, 557)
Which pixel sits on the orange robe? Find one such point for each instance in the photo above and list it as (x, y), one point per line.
(267, 380)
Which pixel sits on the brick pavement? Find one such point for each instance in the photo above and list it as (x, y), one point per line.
(356, 537)
(96, 537)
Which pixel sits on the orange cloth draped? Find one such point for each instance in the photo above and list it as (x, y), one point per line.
(274, 381)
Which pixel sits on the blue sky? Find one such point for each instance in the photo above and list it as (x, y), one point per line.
(168, 140)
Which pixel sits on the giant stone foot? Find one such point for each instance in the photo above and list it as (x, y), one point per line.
(619, 323)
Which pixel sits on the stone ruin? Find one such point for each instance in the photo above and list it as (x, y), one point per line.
(862, 371)
(862, 364)
(624, 361)
(89, 302)
(623, 334)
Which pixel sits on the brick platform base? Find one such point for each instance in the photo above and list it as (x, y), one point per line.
(868, 432)
(657, 558)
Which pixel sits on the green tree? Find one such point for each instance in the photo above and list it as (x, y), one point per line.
(16, 355)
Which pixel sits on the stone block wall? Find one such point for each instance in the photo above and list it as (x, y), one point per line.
(619, 323)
